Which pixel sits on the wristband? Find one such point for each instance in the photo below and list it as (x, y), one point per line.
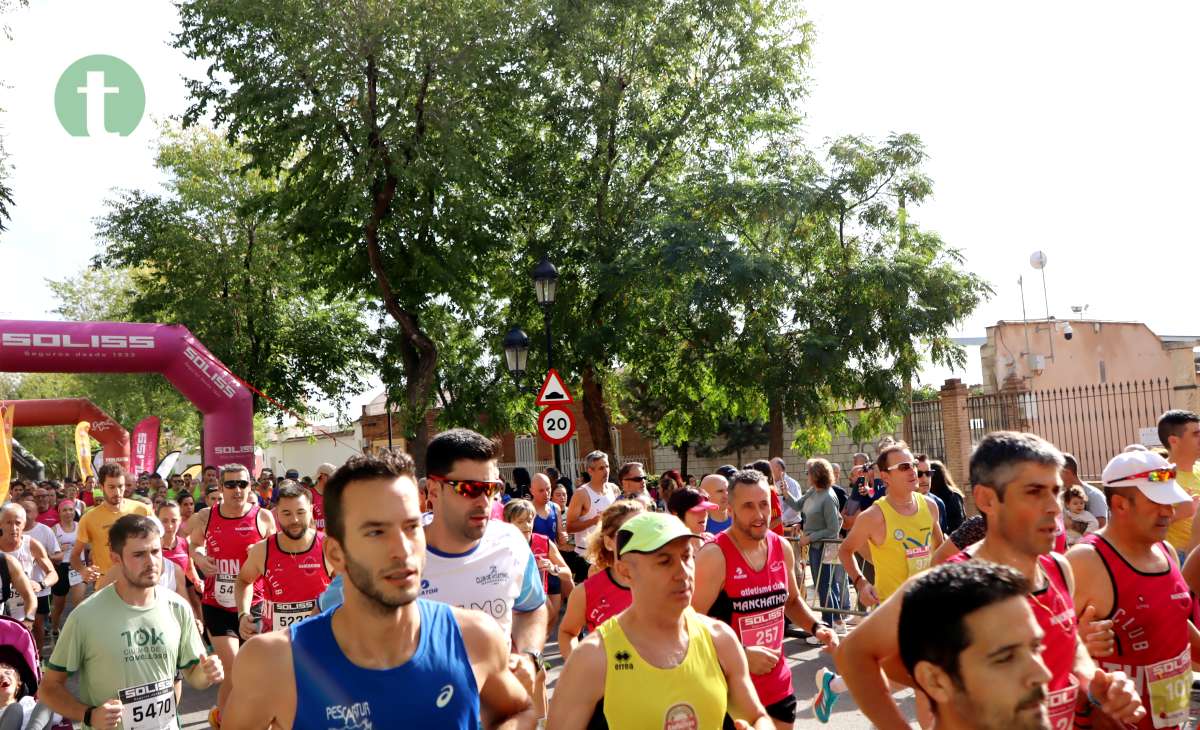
(87, 716)
(816, 625)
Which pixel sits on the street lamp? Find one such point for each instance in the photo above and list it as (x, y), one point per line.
(516, 353)
(545, 282)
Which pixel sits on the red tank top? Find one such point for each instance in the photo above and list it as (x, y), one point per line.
(178, 554)
(605, 599)
(292, 582)
(318, 508)
(1055, 612)
(541, 549)
(227, 541)
(1150, 613)
(752, 602)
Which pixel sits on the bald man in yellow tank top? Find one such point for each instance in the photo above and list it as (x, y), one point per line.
(898, 533)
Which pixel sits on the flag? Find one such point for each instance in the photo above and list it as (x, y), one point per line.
(145, 446)
(167, 465)
(6, 421)
(83, 449)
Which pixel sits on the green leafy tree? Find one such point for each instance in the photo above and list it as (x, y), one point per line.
(389, 124)
(209, 254)
(6, 193)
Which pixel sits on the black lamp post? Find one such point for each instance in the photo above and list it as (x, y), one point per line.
(516, 353)
(545, 284)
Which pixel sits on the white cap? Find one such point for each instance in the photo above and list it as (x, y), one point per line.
(1131, 463)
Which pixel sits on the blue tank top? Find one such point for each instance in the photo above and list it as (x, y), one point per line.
(438, 684)
(716, 526)
(547, 526)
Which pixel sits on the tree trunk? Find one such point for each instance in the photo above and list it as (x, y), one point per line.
(596, 413)
(683, 449)
(775, 423)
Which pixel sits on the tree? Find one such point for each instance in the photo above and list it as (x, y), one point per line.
(210, 255)
(6, 193)
(388, 123)
(631, 97)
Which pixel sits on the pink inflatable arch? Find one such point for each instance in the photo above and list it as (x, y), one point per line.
(121, 347)
(59, 411)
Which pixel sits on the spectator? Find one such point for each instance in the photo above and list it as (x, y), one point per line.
(941, 484)
(788, 489)
(1079, 521)
(1096, 503)
(521, 481)
(823, 522)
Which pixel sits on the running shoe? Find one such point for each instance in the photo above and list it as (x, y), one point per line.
(825, 698)
(214, 719)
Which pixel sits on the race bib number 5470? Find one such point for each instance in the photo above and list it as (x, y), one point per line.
(148, 706)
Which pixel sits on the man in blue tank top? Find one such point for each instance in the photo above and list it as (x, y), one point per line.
(384, 658)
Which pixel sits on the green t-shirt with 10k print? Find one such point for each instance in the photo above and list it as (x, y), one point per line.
(129, 652)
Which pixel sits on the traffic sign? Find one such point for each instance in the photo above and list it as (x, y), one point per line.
(553, 392)
(556, 425)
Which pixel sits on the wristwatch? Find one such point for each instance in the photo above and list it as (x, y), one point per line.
(87, 716)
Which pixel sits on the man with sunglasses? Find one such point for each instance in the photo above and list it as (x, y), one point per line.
(897, 533)
(632, 476)
(924, 482)
(1126, 572)
(226, 534)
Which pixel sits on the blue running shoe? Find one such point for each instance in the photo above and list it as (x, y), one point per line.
(826, 698)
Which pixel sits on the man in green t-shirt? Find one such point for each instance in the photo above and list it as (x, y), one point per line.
(126, 643)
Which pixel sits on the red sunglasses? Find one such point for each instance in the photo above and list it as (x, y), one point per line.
(471, 488)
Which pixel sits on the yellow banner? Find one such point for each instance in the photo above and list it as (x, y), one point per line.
(6, 421)
(83, 449)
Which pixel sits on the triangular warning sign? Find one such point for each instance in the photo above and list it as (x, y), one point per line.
(553, 391)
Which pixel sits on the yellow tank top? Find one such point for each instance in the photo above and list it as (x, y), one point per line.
(1179, 534)
(638, 696)
(907, 546)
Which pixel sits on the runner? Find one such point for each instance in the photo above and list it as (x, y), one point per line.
(93, 526)
(692, 508)
(549, 522)
(126, 642)
(604, 594)
(1126, 573)
(1016, 481)
(973, 645)
(747, 578)
(716, 486)
(318, 495)
(583, 512)
(70, 582)
(44, 574)
(291, 564)
(175, 549)
(632, 479)
(658, 664)
(897, 533)
(521, 514)
(34, 565)
(226, 534)
(385, 658)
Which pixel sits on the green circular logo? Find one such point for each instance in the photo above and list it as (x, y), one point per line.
(99, 96)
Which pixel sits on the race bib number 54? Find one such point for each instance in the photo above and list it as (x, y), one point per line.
(148, 706)
(223, 590)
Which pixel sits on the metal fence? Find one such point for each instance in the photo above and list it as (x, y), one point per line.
(928, 436)
(1093, 422)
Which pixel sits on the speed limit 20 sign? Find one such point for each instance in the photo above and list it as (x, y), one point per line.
(556, 425)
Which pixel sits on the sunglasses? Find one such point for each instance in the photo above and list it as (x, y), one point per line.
(922, 473)
(471, 488)
(236, 484)
(1154, 475)
(902, 466)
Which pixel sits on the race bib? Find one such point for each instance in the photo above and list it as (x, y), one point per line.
(1170, 684)
(223, 590)
(148, 706)
(918, 559)
(1060, 705)
(284, 615)
(762, 629)
(73, 577)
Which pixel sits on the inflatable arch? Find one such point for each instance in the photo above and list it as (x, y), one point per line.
(60, 411)
(122, 347)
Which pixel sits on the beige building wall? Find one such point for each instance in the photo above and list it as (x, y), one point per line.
(1098, 352)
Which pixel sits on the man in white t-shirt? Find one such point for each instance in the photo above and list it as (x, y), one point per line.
(49, 541)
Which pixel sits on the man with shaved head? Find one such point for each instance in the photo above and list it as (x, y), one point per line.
(716, 486)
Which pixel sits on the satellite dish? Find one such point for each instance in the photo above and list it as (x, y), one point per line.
(1037, 260)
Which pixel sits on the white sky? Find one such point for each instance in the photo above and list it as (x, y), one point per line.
(1062, 126)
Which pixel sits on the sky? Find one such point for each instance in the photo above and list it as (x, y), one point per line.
(1065, 127)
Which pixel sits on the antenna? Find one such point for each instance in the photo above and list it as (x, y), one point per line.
(1038, 261)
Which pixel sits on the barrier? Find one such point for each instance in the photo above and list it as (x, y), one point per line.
(832, 588)
(123, 347)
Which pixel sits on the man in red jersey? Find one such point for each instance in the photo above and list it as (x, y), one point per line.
(226, 533)
(291, 564)
(746, 577)
(1016, 484)
(1126, 572)
(318, 495)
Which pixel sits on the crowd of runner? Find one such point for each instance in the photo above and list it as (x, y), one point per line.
(373, 597)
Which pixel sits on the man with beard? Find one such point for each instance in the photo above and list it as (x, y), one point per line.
(746, 577)
(1128, 573)
(1016, 484)
(226, 533)
(95, 523)
(971, 642)
(127, 641)
(383, 658)
(291, 564)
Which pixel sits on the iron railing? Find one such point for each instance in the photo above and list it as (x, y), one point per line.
(928, 436)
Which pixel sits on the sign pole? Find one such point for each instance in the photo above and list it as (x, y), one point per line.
(550, 366)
